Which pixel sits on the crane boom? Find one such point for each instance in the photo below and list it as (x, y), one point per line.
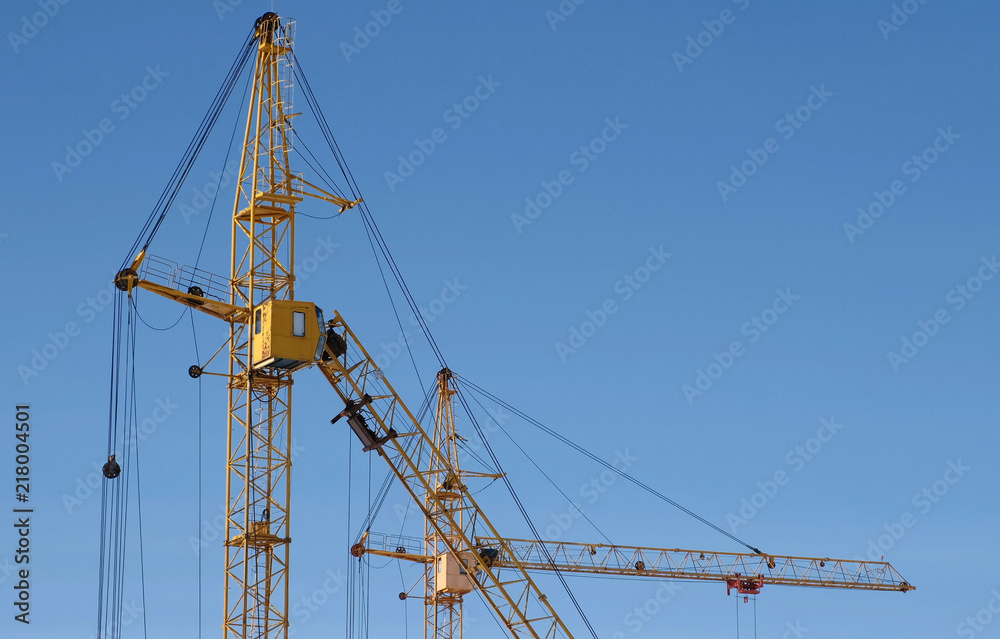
(400, 439)
(706, 565)
(435, 485)
(744, 572)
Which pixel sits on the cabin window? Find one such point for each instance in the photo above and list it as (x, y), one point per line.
(298, 324)
(256, 322)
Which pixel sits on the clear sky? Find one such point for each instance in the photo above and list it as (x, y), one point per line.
(686, 234)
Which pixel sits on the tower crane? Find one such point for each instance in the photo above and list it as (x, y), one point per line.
(448, 577)
(272, 335)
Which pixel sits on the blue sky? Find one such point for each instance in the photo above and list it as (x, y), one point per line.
(681, 175)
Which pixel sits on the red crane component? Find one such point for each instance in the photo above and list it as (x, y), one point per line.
(745, 586)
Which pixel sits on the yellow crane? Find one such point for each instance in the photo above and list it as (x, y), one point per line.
(382, 422)
(449, 576)
(272, 335)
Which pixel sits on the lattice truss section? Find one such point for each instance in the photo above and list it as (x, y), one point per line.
(674, 563)
(406, 446)
(695, 564)
(257, 481)
(263, 214)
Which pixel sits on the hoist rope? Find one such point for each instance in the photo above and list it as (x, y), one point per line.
(155, 328)
(369, 220)
(142, 554)
(544, 474)
(173, 187)
(376, 235)
(366, 592)
(123, 441)
(395, 312)
(225, 164)
(371, 229)
(406, 607)
(609, 466)
(524, 512)
(349, 617)
(109, 600)
(472, 453)
(197, 358)
(318, 169)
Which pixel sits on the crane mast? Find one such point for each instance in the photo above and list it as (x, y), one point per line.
(258, 530)
(383, 423)
(271, 335)
(446, 578)
(442, 606)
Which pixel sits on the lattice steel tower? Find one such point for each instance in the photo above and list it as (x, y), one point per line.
(258, 527)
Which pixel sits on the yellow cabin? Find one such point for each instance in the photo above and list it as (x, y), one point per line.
(454, 576)
(287, 334)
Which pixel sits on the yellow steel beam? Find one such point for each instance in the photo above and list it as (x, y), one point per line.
(326, 196)
(355, 376)
(215, 308)
(668, 563)
(677, 563)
